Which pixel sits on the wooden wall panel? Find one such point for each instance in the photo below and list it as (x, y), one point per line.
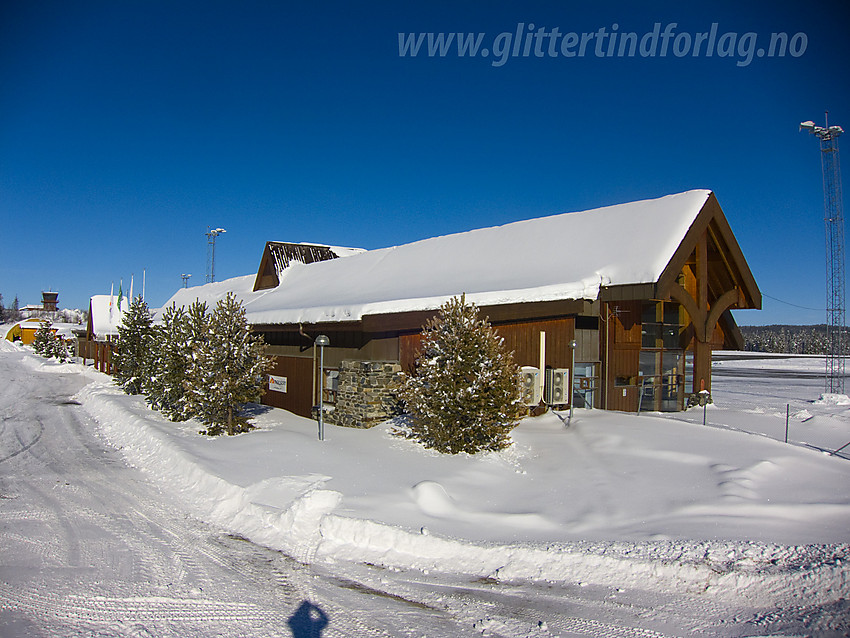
(626, 322)
(408, 350)
(521, 338)
(623, 360)
(623, 363)
(298, 397)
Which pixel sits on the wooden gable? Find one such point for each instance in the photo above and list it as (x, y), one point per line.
(277, 256)
(708, 277)
(710, 237)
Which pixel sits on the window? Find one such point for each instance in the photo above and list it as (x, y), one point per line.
(662, 325)
(662, 356)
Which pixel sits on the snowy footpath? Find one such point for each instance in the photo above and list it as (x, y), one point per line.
(727, 511)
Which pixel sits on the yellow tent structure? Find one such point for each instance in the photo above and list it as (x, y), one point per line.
(24, 331)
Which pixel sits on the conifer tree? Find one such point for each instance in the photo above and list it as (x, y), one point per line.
(42, 342)
(58, 348)
(132, 357)
(172, 356)
(464, 395)
(228, 370)
(49, 344)
(197, 335)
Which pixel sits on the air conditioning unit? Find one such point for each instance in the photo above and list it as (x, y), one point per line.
(557, 386)
(529, 382)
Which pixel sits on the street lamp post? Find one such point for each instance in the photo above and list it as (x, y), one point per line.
(322, 341)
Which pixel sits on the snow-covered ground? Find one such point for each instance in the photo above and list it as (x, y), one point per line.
(727, 514)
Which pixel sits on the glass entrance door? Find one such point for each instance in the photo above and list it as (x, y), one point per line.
(662, 357)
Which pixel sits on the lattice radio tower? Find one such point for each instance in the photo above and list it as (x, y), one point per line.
(835, 276)
(211, 235)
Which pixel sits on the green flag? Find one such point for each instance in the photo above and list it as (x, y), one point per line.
(120, 295)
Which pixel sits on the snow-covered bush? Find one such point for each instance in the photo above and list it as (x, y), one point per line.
(49, 344)
(132, 357)
(464, 395)
(59, 349)
(41, 343)
(228, 367)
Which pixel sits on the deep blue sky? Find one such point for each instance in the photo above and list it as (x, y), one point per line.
(126, 128)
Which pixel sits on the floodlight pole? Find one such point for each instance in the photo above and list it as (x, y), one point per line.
(835, 276)
(211, 234)
(185, 277)
(322, 341)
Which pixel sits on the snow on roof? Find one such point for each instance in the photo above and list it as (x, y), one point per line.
(564, 256)
(103, 321)
(339, 251)
(241, 286)
(284, 253)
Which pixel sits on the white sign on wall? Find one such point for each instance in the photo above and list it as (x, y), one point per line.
(278, 384)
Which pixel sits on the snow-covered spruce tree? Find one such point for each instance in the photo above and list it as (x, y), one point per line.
(42, 342)
(172, 356)
(228, 370)
(132, 358)
(197, 335)
(58, 348)
(464, 395)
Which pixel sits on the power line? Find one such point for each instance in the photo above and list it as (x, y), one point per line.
(788, 303)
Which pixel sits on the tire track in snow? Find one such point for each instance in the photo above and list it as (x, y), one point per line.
(24, 446)
(127, 559)
(140, 609)
(522, 609)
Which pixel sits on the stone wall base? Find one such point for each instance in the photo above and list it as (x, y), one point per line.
(365, 394)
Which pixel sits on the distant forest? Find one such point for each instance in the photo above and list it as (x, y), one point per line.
(789, 339)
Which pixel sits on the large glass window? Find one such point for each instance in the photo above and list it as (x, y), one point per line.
(662, 325)
(662, 358)
(689, 373)
(585, 384)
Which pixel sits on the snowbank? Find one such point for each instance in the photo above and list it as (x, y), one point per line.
(833, 399)
(613, 499)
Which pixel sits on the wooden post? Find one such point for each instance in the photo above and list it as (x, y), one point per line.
(543, 366)
(787, 418)
(702, 347)
(702, 365)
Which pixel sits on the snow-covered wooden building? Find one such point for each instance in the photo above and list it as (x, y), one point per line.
(105, 315)
(644, 289)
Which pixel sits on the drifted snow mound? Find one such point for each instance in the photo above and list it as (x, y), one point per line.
(833, 399)
(432, 499)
